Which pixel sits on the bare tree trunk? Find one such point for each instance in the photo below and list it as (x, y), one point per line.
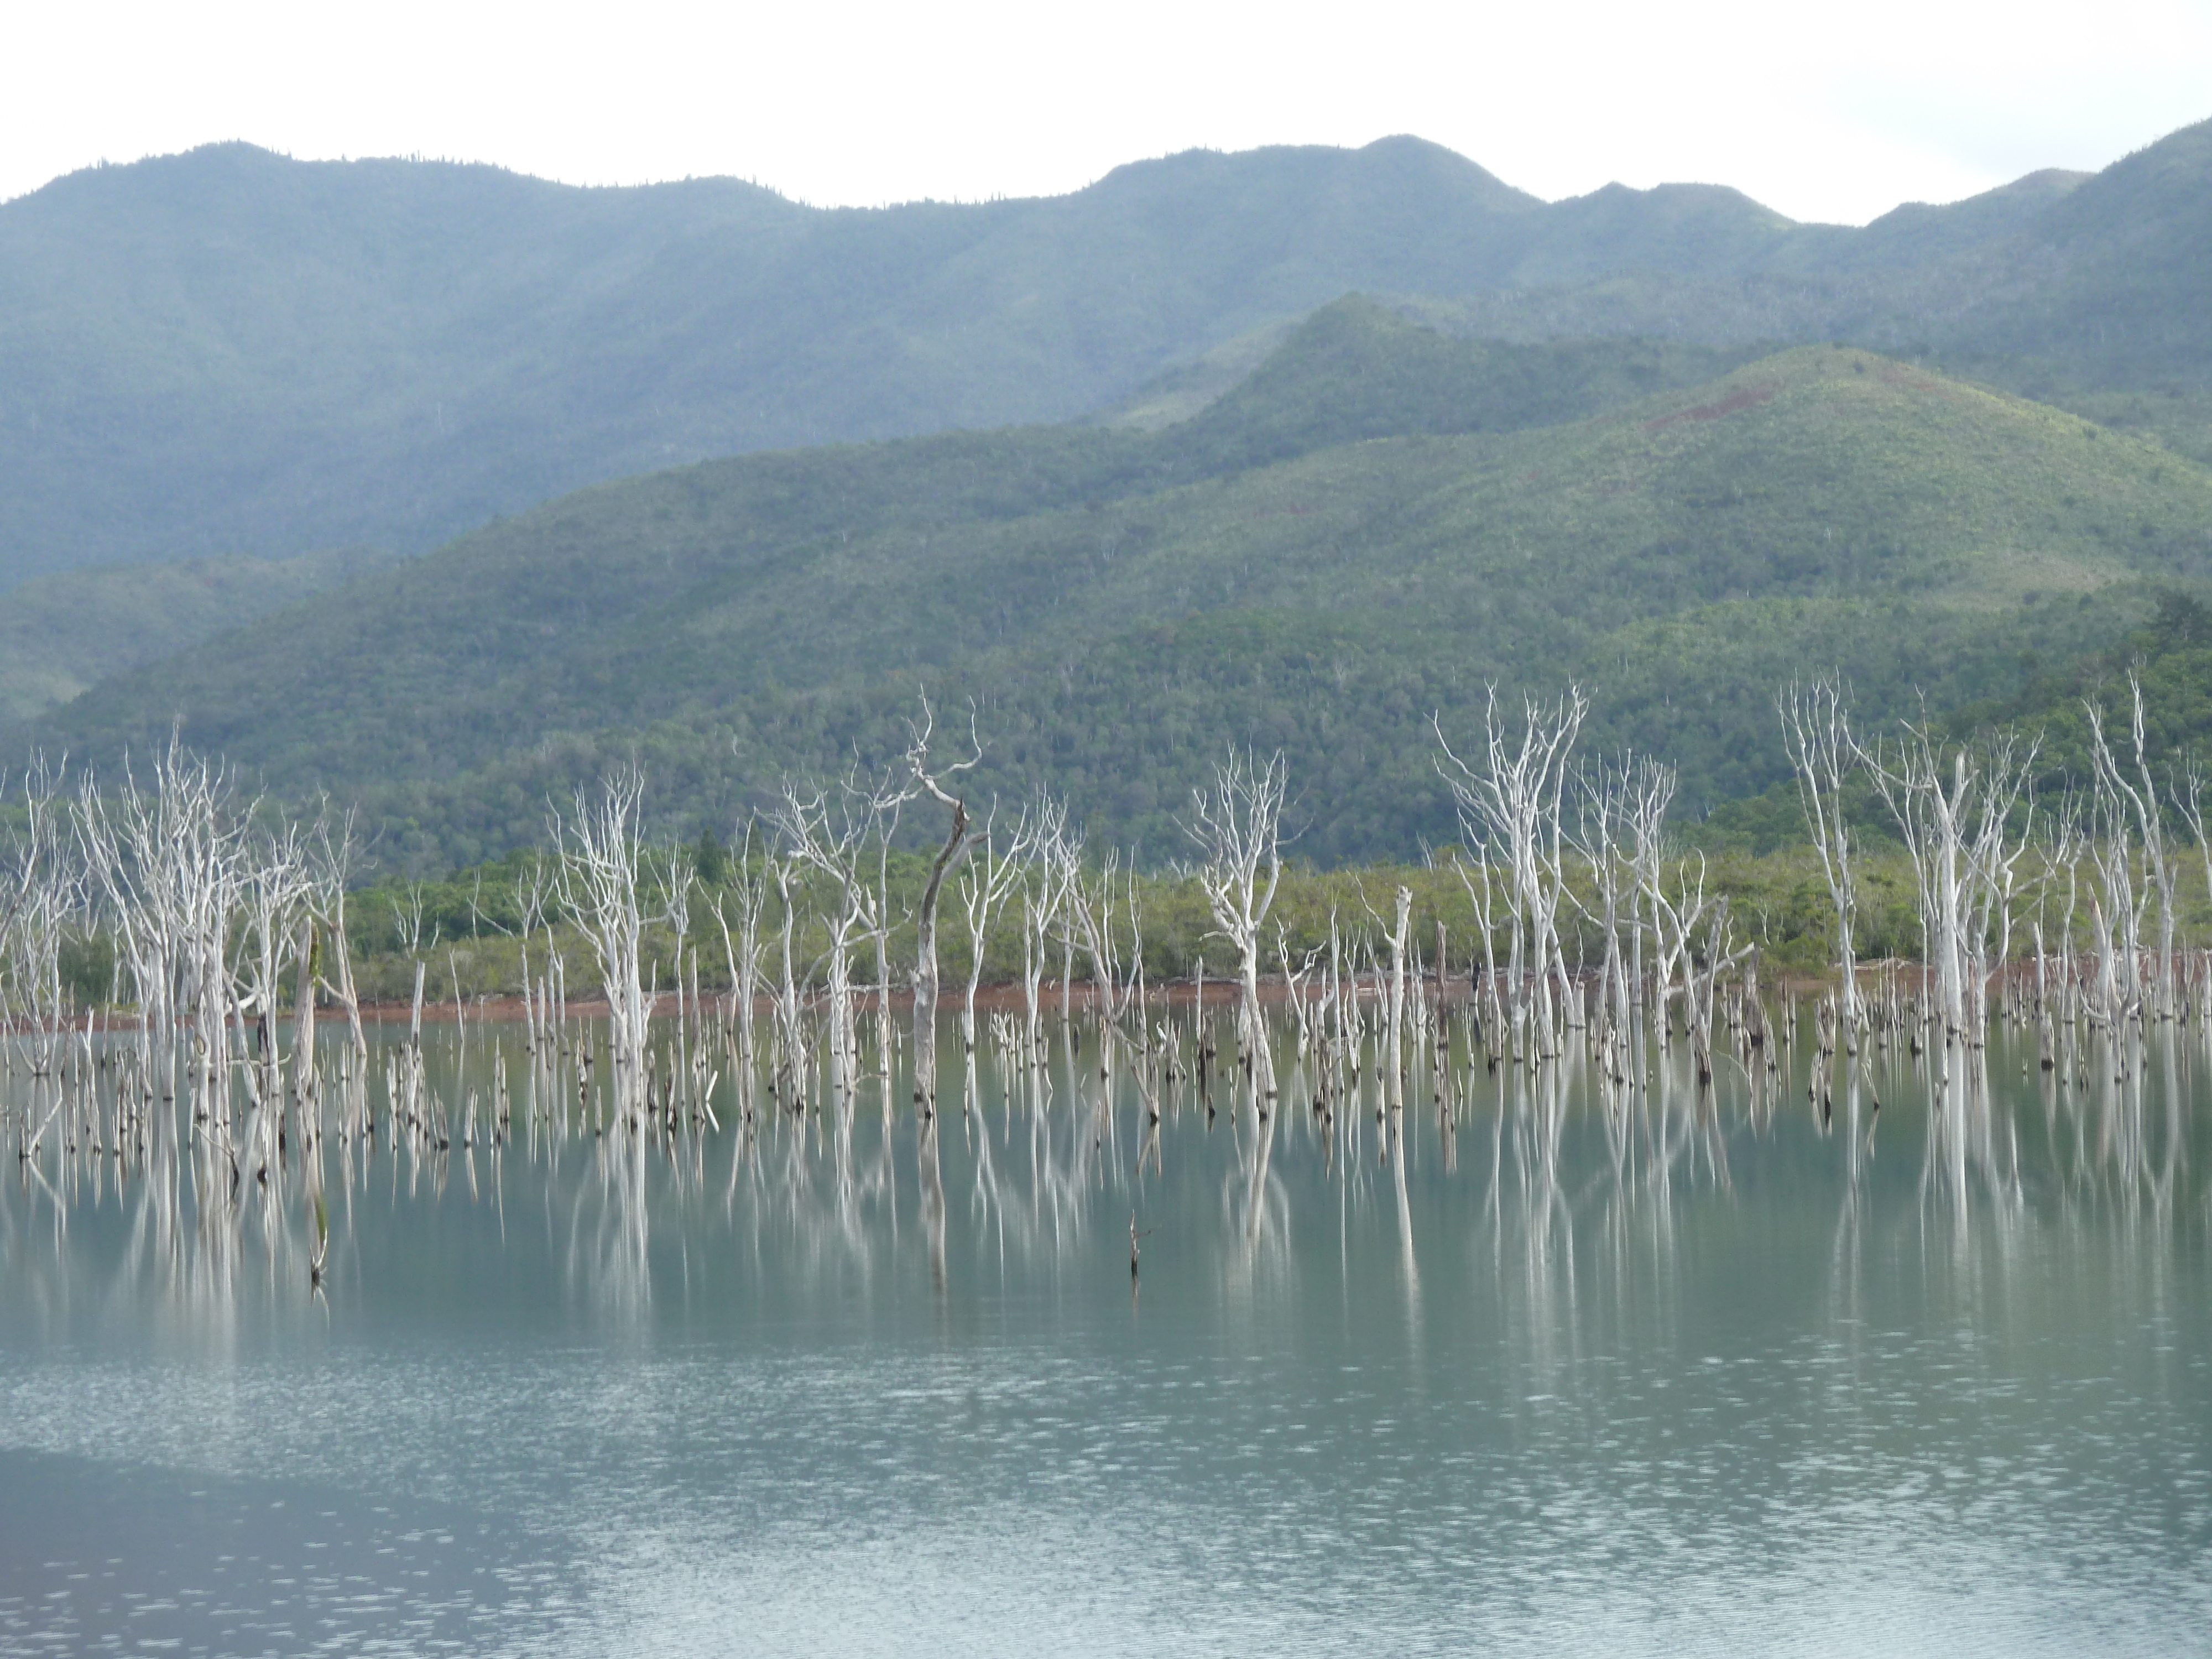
(1237, 825)
(599, 849)
(925, 971)
(1510, 798)
(1816, 731)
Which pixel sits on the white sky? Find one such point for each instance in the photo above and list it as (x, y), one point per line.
(1834, 112)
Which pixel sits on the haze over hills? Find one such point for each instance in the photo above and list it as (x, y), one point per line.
(1376, 522)
(64, 633)
(228, 352)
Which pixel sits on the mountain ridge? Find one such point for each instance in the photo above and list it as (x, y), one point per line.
(228, 352)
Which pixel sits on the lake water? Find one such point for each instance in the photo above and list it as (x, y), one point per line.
(1659, 1375)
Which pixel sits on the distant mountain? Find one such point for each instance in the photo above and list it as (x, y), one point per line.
(62, 633)
(230, 352)
(1371, 527)
(1916, 236)
(2118, 285)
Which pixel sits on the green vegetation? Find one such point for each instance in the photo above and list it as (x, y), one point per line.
(1355, 369)
(1314, 535)
(1120, 605)
(228, 351)
(470, 923)
(61, 633)
(2171, 657)
(2119, 301)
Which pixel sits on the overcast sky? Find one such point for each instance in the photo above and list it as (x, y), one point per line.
(1834, 112)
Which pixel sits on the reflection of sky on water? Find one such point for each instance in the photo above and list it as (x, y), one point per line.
(1682, 1379)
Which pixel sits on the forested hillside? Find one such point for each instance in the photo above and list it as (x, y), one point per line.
(62, 633)
(229, 352)
(1296, 567)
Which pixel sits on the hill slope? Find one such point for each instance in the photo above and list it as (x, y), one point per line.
(61, 633)
(227, 351)
(2115, 284)
(2082, 291)
(1120, 605)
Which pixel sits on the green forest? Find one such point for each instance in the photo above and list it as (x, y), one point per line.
(231, 352)
(1665, 445)
(1116, 606)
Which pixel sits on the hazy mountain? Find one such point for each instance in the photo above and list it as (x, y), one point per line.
(62, 633)
(2118, 289)
(228, 352)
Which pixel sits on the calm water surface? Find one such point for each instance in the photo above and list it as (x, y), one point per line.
(1653, 1377)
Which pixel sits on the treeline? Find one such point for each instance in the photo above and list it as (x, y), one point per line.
(1757, 860)
(470, 923)
(1124, 728)
(856, 869)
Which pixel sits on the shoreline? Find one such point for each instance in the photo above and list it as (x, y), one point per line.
(506, 1007)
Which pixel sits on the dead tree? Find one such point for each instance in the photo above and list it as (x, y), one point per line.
(1677, 911)
(1049, 856)
(1237, 826)
(41, 901)
(272, 901)
(1621, 829)
(1509, 799)
(2189, 801)
(742, 949)
(1095, 903)
(1648, 804)
(1951, 809)
(2139, 810)
(1481, 894)
(532, 892)
(831, 832)
(2115, 910)
(1390, 1065)
(1816, 732)
(599, 847)
(331, 857)
(987, 878)
(2059, 849)
(931, 780)
(167, 860)
(680, 878)
(792, 1066)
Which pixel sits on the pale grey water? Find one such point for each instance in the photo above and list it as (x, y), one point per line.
(1769, 1404)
